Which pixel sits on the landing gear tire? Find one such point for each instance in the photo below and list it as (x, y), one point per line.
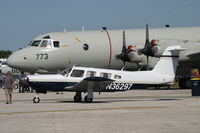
(36, 100)
(77, 98)
(88, 100)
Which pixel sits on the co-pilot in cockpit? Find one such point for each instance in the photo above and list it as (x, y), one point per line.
(45, 43)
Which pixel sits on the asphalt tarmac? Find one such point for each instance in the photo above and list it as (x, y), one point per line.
(136, 111)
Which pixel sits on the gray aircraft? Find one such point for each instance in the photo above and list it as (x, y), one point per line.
(52, 52)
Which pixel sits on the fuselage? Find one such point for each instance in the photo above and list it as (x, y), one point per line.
(123, 80)
(99, 49)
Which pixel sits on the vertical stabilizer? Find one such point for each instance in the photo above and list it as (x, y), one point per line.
(168, 61)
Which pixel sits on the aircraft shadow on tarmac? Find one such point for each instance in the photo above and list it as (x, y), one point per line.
(123, 100)
(105, 100)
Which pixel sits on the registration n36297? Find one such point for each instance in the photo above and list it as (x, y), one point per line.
(119, 86)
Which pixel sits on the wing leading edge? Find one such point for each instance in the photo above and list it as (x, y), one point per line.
(96, 83)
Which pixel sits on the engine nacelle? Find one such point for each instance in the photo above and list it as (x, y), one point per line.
(134, 57)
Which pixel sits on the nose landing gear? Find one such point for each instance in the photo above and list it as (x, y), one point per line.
(36, 99)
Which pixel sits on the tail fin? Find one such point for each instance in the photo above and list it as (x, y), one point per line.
(168, 61)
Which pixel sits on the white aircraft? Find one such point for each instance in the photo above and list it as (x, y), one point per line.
(5, 68)
(3, 62)
(84, 79)
(53, 52)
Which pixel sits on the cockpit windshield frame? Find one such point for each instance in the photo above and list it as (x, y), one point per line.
(45, 43)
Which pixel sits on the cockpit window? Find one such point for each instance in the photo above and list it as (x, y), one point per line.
(46, 43)
(77, 73)
(35, 43)
(56, 44)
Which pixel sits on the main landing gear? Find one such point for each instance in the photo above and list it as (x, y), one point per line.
(88, 98)
(77, 97)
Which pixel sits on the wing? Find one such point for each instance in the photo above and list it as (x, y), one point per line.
(97, 84)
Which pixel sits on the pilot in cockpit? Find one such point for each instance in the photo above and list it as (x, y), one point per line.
(46, 43)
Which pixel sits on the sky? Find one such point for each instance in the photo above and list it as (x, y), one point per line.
(23, 20)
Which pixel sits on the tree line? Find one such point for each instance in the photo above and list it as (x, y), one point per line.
(5, 53)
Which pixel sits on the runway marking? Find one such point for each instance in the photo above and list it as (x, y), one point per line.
(82, 110)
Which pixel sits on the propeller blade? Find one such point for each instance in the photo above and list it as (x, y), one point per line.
(147, 62)
(148, 47)
(124, 53)
(124, 63)
(124, 47)
(147, 35)
(124, 42)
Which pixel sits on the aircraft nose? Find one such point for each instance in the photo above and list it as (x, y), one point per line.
(14, 61)
(11, 61)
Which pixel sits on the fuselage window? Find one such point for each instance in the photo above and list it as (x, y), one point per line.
(77, 73)
(117, 77)
(35, 43)
(105, 75)
(91, 74)
(46, 43)
(56, 44)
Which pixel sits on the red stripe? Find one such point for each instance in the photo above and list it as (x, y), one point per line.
(110, 58)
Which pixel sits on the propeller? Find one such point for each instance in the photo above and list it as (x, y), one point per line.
(149, 48)
(124, 54)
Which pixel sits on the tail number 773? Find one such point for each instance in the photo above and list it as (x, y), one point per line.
(42, 56)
